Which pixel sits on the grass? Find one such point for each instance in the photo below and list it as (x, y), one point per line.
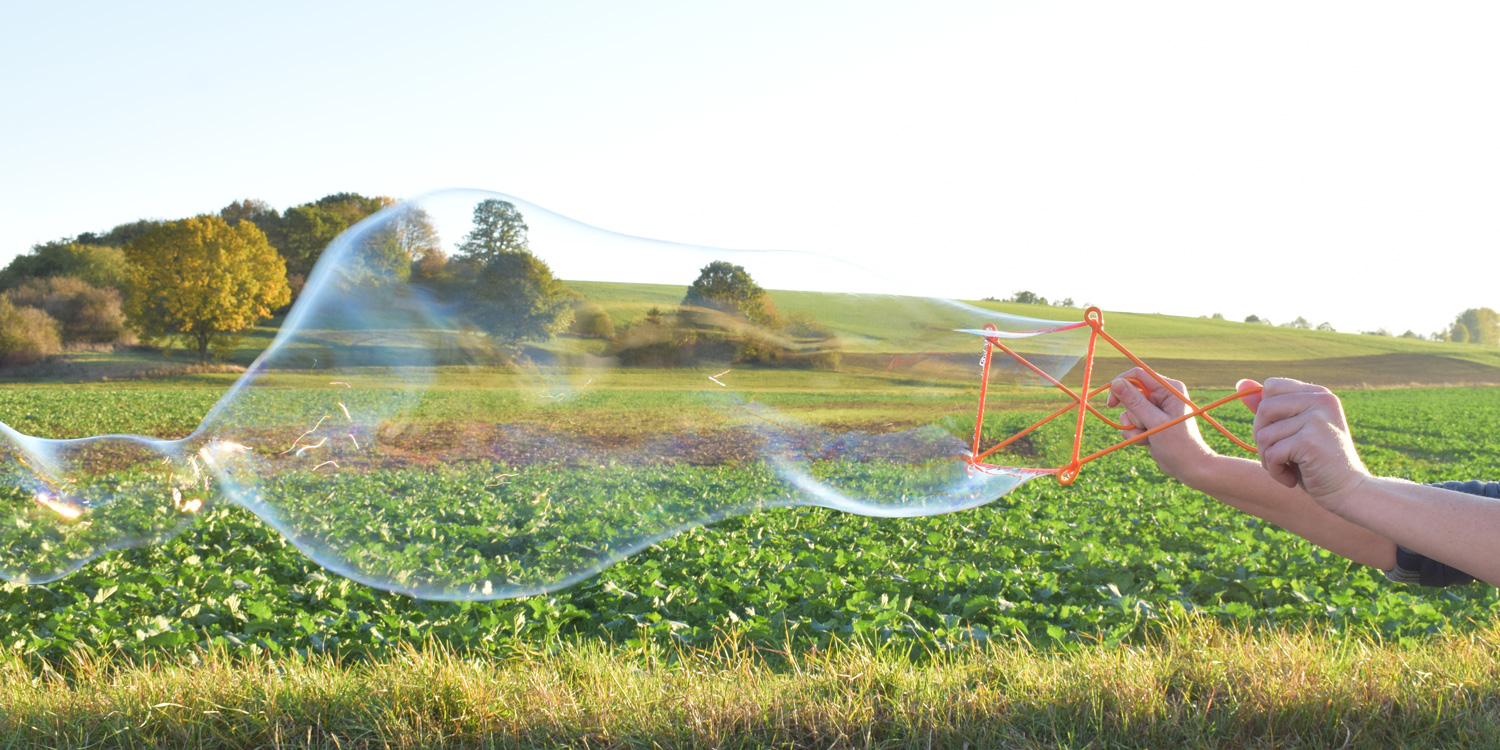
(1193, 684)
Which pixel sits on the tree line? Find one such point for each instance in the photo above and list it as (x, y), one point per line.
(200, 282)
(1479, 325)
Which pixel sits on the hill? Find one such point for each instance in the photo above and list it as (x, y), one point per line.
(1202, 351)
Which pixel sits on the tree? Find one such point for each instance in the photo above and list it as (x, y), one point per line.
(1325, 326)
(516, 298)
(248, 209)
(392, 250)
(1300, 322)
(204, 281)
(1257, 319)
(97, 265)
(120, 236)
(418, 238)
(307, 229)
(1476, 326)
(498, 229)
(1027, 298)
(259, 213)
(728, 288)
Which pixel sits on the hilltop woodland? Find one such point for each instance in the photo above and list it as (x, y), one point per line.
(201, 282)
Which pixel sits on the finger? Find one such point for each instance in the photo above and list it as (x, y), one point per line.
(1280, 460)
(1274, 432)
(1280, 386)
(1143, 412)
(1251, 401)
(1130, 430)
(1287, 405)
(1134, 373)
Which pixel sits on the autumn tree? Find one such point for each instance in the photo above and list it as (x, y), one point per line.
(203, 281)
(513, 294)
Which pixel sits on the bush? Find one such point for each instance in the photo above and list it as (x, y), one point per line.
(27, 334)
(86, 313)
(591, 320)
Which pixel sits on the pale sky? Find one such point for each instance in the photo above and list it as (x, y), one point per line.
(1337, 161)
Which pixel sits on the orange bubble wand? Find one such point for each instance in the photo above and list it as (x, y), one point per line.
(1066, 474)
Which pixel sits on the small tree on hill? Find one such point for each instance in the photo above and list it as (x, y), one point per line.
(728, 288)
(203, 281)
(514, 295)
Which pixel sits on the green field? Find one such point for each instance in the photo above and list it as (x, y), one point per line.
(1045, 572)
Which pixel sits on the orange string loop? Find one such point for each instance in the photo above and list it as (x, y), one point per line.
(1079, 402)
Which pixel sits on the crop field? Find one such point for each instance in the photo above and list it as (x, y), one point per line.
(1103, 560)
(657, 531)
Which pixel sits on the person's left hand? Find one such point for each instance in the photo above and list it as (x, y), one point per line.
(1303, 440)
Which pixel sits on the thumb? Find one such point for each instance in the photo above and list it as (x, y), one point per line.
(1252, 401)
(1143, 413)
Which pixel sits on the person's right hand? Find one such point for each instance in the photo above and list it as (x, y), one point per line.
(1179, 450)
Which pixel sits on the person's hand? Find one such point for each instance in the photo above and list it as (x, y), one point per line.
(1304, 440)
(1179, 450)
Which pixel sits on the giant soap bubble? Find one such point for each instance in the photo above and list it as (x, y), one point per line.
(474, 398)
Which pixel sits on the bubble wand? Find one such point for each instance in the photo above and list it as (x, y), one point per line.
(1066, 474)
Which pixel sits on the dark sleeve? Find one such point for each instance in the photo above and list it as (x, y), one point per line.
(1415, 568)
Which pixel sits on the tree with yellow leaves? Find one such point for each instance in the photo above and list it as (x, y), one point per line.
(203, 281)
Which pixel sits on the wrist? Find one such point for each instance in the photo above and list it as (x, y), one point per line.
(1206, 473)
(1340, 501)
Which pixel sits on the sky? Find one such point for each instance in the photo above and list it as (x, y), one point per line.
(1338, 161)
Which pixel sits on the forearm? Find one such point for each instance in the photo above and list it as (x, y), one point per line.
(1245, 485)
(1455, 528)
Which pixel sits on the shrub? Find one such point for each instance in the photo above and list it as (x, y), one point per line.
(591, 320)
(27, 334)
(86, 313)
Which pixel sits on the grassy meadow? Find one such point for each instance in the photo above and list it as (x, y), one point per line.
(1123, 611)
